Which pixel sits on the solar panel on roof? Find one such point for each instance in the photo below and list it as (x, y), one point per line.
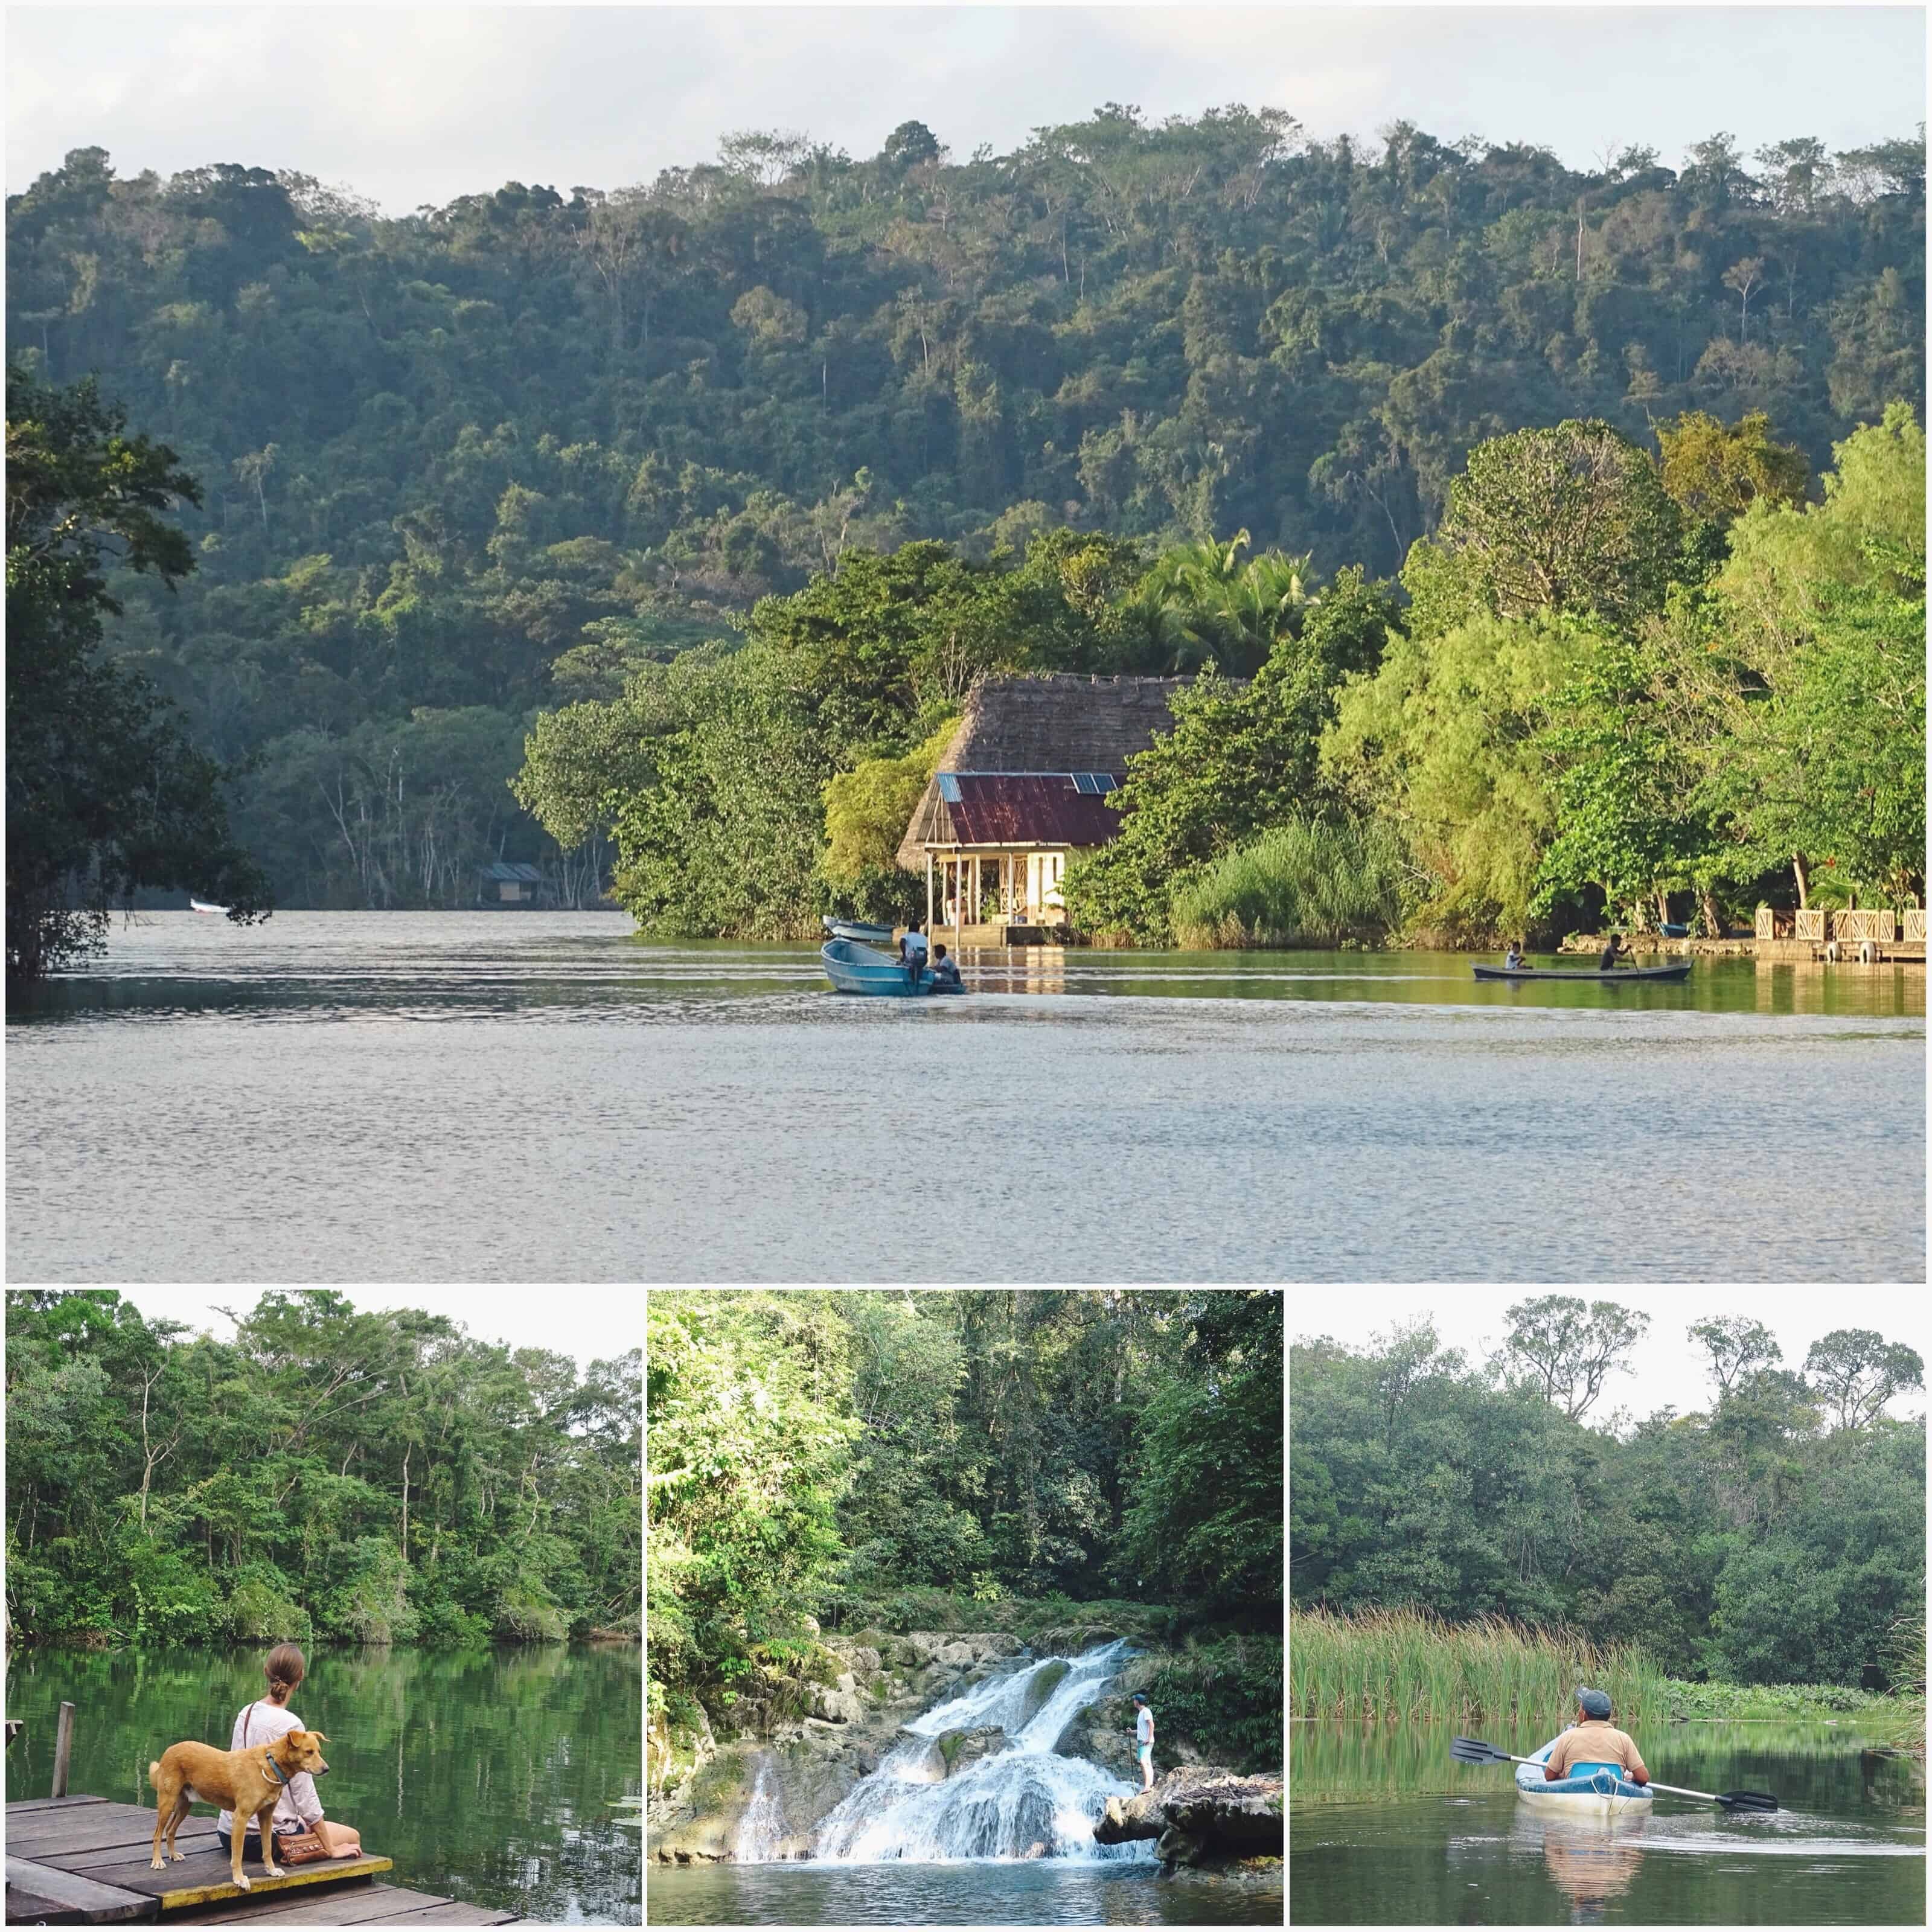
(1083, 782)
(949, 788)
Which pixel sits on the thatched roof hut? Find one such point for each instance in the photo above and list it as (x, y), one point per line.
(1052, 726)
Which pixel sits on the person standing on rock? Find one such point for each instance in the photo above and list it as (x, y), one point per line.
(1144, 1739)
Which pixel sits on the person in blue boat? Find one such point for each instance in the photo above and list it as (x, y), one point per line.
(912, 951)
(945, 972)
(1594, 1740)
(1144, 1739)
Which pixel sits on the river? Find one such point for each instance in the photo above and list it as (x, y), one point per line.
(1385, 1829)
(513, 1096)
(488, 1776)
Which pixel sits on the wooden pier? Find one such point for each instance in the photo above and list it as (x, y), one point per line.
(84, 1862)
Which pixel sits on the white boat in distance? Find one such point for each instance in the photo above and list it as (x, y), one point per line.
(201, 905)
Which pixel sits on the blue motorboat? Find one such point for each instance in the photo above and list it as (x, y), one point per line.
(861, 930)
(854, 968)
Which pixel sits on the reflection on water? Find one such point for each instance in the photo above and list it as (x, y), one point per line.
(514, 1096)
(1449, 1843)
(1005, 1894)
(490, 1776)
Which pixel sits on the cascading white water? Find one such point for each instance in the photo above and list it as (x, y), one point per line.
(1025, 1796)
(763, 1825)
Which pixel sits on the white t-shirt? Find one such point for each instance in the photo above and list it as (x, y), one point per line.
(1144, 1726)
(266, 1724)
(913, 945)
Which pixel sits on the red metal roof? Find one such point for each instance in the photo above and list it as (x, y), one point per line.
(1028, 809)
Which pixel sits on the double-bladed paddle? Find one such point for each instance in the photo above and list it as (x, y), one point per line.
(1467, 1751)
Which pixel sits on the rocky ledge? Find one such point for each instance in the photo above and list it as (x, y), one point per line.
(1201, 1816)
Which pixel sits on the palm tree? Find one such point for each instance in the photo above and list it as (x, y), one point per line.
(1202, 600)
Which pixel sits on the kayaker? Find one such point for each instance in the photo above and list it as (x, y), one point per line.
(912, 950)
(1144, 1739)
(1593, 1739)
(1608, 961)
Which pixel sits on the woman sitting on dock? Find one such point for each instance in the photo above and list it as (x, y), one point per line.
(298, 1809)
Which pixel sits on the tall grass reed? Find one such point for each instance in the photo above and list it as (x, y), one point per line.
(1403, 1664)
(1307, 883)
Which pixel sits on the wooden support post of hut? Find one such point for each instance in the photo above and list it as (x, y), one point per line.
(1024, 786)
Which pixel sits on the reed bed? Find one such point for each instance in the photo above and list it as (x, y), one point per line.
(1403, 1664)
(1302, 883)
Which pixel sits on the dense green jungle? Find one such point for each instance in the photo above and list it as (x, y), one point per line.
(694, 508)
(1456, 1525)
(329, 1476)
(1067, 1466)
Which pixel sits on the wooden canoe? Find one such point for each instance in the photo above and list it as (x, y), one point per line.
(1617, 975)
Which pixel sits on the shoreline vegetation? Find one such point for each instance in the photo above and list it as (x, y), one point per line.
(1467, 1546)
(646, 536)
(1403, 1665)
(330, 1477)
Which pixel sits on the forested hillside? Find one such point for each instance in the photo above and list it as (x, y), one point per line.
(483, 460)
(373, 1477)
(986, 1459)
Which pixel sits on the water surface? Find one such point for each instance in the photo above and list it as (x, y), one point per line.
(488, 1776)
(1385, 1828)
(532, 1096)
(1035, 1894)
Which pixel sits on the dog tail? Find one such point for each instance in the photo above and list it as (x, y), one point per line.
(153, 1770)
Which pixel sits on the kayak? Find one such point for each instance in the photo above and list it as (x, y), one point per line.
(1591, 1790)
(1616, 976)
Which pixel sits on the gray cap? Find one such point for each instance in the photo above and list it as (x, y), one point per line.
(1593, 1703)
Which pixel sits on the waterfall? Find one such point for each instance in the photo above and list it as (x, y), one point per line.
(763, 1825)
(1004, 1807)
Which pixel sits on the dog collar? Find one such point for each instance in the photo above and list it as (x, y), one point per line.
(274, 1770)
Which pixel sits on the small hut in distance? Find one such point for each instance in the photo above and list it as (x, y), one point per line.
(1022, 787)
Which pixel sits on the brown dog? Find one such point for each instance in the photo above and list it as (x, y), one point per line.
(247, 1782)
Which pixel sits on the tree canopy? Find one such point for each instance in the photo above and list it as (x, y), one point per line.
(1746, 1542)
(456, 463)
(331, 1473)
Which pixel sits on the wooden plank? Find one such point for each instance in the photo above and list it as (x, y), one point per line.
(28, 1908)
(78, 1901)
(354, 1904)
(187, 1885)
(453, 1914)
(50, 1803)
(203, 1878)
(98, 1831)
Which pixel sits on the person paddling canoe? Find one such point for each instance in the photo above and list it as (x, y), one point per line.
(1607, 963)
(1594, 1740)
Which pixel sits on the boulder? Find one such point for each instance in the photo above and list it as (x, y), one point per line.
(838, 1703)
(1041, 1686)
(1201, 1816)
(958, 1655)
(961, 1749)
(865, 1661)
(1103, 1734)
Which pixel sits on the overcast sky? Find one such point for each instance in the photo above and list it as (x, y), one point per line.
(416, 105)
(1665, 1367)
(591, 1324)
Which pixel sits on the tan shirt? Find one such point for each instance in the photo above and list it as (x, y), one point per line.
(1595, 1741)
